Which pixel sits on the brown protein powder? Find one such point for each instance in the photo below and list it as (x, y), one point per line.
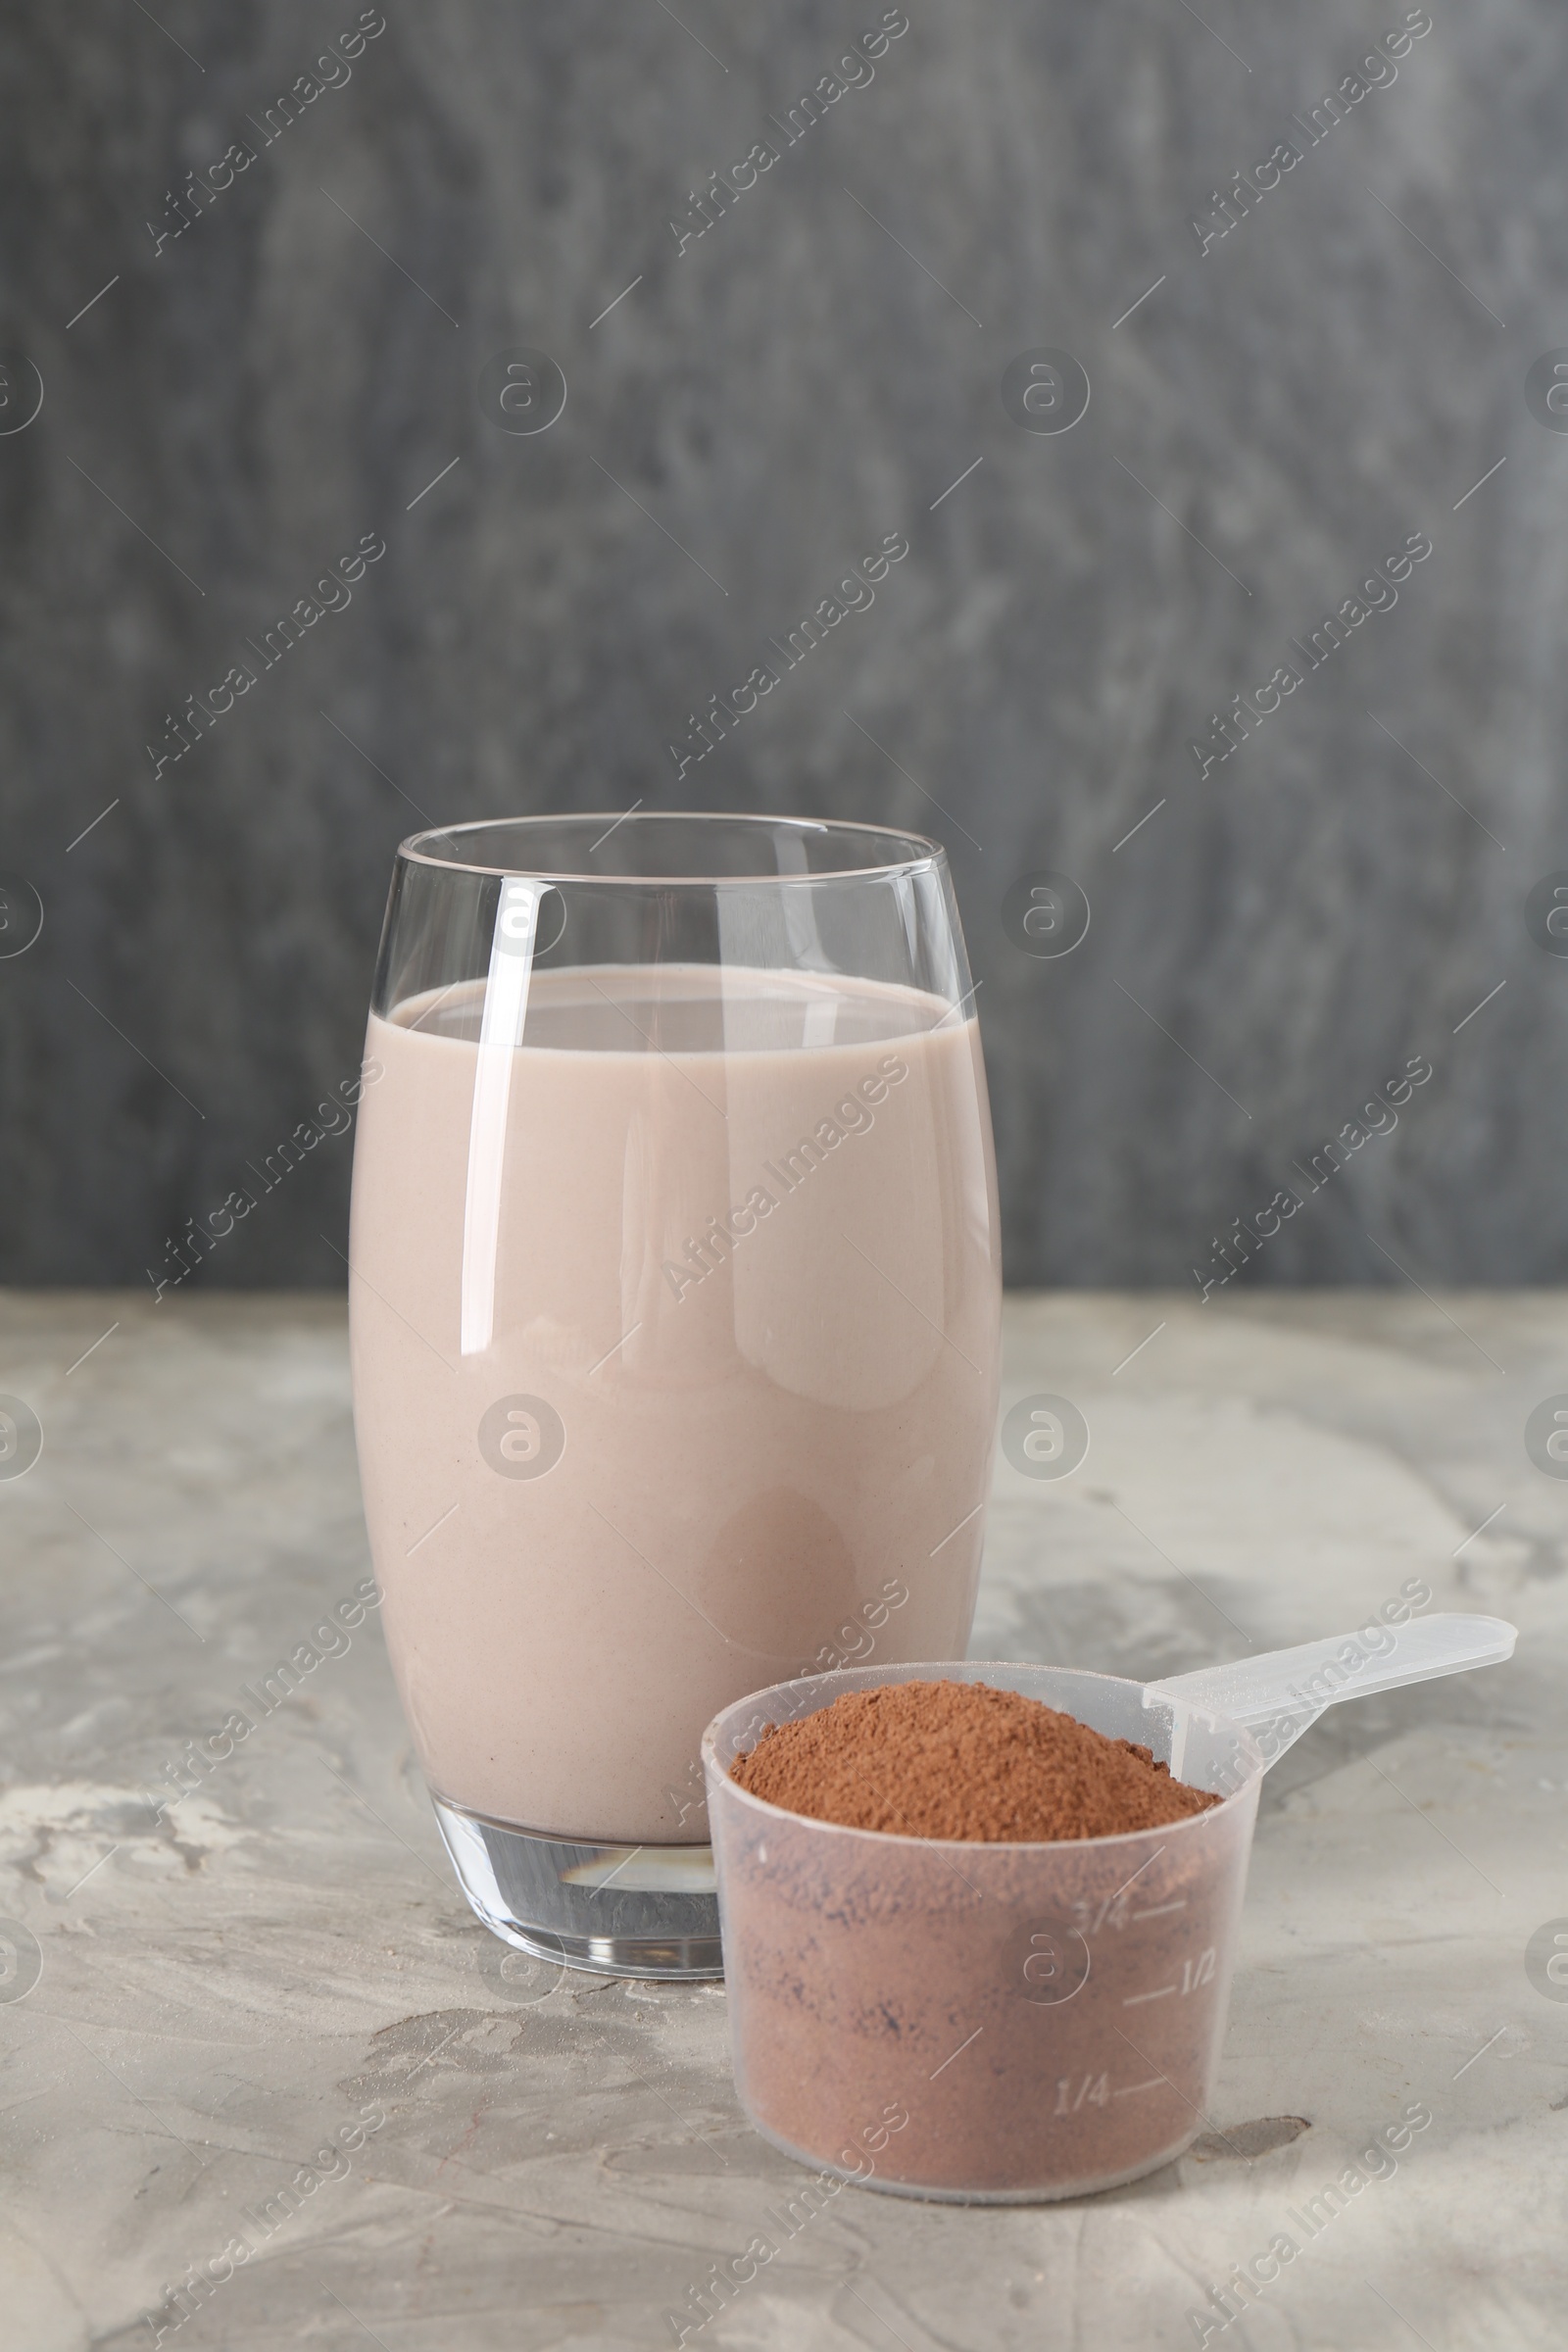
(963, 1760)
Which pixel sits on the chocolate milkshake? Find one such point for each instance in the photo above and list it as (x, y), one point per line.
(724, 1384)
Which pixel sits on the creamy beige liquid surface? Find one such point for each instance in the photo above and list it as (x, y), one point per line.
(768, 1453)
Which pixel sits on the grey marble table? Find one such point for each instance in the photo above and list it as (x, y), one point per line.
(281, 1964)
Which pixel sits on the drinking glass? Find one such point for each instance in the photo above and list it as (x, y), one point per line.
(675, 1297)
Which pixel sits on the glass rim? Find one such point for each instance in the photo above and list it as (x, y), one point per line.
(923, 853)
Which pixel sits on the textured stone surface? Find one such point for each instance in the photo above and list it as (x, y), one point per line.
(268, 385)
(221, 1994)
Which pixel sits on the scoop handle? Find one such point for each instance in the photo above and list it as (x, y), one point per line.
(1281, 1694)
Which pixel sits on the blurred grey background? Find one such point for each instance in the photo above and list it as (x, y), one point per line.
(245, 376)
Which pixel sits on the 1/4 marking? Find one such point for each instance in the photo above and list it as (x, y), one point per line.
(1096, 2089)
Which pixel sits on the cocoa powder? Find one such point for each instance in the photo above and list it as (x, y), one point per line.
(1042, 2004)
(961, 1760)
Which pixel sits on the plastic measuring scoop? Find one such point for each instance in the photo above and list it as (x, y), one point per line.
(1281, 1694)
(1000, 2023)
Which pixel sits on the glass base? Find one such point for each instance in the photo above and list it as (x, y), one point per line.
(614, 1910)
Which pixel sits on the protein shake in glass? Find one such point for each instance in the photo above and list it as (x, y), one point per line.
(674, 1303)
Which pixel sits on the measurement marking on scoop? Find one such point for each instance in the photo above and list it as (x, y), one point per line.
(1096, 2089)
(1160, 1910)
(1109, 1906)
(1194, 1972)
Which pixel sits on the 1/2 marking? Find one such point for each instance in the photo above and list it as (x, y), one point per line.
(1199, 1970)
(1194, 1972)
